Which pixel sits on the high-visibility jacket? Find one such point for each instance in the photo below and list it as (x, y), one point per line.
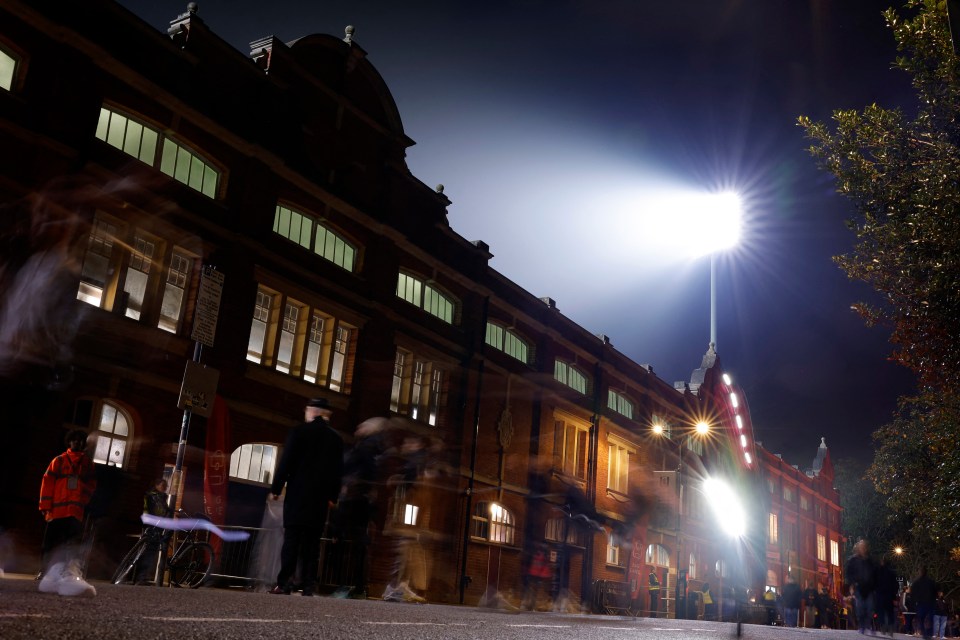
(67, 486)
(707, 598)
(654, 582)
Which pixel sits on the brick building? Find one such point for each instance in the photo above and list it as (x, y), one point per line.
(137, 161)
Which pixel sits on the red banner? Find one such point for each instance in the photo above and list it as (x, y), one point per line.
(216, 466)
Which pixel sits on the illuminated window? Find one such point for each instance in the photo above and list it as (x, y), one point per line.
(692, 568)
(555, 528)
(113, 434)
(773, 531)
(404, 511)
(301, 341)
(618, 465)
(570, 376)
(135, 274)
(426, 296)
(254, 462)
(418, 389)
(615, 555)
(506, 340)
(8, 68)
(143, 142)
(788, 493)
(658, 556)
(835, 553)
(804, 502)
(314, 235)
(570, 442)
(619, 403)
(821, 547)
(492, 522)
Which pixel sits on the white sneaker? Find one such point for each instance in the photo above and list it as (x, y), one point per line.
(51, 578)
(72, 582)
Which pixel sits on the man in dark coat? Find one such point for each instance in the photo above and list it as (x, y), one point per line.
(924, 591)
(311, 467)
(861, 573)
(885, 596)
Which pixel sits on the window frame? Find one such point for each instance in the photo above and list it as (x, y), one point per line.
(310, 227)
(621, 403)
(571, 447)
(619, 464)
(236, 460)
(16, 64)
(562, 372)
(493, 523)
(424, 294)
(419, 387)
(504, 338)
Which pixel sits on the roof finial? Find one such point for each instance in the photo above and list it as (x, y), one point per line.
(440, 188)
(192, 8)
(823, 442)
(348, 37)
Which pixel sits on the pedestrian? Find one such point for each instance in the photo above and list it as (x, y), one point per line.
(66, 489)
(860, 573)
(653, 588)
(155, 503)
(791, 602)
(709, 606)
(909, 611)
(885, 598)
(924, 591)
(941, 611)
(311, 469)
(537, 573)
(355, 509)
(770, 603)
(824, 605)
(809, 608)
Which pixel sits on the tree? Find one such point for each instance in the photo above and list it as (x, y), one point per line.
(865, 512)
(902, 175)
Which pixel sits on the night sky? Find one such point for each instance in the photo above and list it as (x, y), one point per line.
(556, 125)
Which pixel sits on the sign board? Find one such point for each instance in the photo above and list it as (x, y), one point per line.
(208, 306)
(199, 388)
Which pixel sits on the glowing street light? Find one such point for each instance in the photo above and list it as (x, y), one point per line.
(726, 506)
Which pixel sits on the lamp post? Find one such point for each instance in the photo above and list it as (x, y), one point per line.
(700, 429)
(723, 232)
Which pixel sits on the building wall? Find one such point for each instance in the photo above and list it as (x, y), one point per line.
(311, 126)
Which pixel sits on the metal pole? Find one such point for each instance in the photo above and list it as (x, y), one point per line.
(177, 477)
(676, 592)
(713, 301)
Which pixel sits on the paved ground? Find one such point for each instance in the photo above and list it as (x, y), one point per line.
(142, 613)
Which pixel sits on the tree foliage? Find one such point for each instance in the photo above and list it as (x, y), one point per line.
(902, 175)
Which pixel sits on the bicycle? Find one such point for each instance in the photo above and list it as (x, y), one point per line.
(189, 566)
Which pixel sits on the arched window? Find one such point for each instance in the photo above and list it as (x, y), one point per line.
(553, 531)
(620, 403)
(658, 556)
(426, 296)
(493, 522)
(113, 433)
(506, 340)
(8, 69)
(254, 462)
(315, 235)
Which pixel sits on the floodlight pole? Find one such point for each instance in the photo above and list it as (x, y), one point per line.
(713, 300)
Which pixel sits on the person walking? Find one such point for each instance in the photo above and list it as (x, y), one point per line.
(709, 606)
(885, 598)
(924, 591)
(653, 588)
(791, 602)
(154, 504)
(941, 611)
(809, 611)
(860, 573)
(311, 469)
(66, 489)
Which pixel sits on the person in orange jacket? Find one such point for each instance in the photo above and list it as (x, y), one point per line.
(65, 491)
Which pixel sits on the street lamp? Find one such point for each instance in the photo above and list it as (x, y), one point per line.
(732, 519)
(701, 429)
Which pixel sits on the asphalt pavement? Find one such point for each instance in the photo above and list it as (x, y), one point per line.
(142, 613)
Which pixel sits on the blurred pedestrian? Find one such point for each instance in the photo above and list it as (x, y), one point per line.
(653, 588)
(809, 607)
(941, 611)
(709, 606)
(66, 489)
(791, 602)
(860, 572)
(311, 468)
(924, 591)
(885, 598)
(154, 504)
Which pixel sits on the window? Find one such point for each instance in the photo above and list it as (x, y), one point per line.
(804, 502)
(113, 434)
(404, 512)
(771, 485)
(774, 534)
(135, 272)
(315, 236)
(556, 527)
(419, 387)
(835, 553)
(8, 69)
(787, 494)
(571, 448)
(507, 341)
(142, 142)
(620, 404)
(658, 556)
(615, 555)
(618, 465)
(254, 462)
(425, 296)
(821, 547)
(692, 568)
(492, 522)
(300, 340)
(723, 569)
(570, 376)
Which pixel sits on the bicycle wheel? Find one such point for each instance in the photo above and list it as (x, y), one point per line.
(191, 567)
(126, 566)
